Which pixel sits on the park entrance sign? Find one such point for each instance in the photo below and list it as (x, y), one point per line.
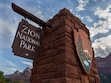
(84, 49)
(27, 41)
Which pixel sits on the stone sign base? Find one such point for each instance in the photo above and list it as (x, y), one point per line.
(58, 61)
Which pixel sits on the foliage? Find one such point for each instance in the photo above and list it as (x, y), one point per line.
(2, 78)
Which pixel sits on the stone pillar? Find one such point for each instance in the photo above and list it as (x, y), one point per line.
(58, 61)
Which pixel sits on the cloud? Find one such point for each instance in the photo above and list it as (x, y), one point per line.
(100, 31)
(27, 63)
(7, 32)
(103, 13)
(88, 18)
(8, 67)
(95, 0)
(39, 1)
(82, 4)
(102, 46)
(11, 69)
(8, 70)
(69, 1)
(101, 26)
(104, 23)
(6, 62)
(10, 63)
(8, 25)
(100, 35)
(79, 16)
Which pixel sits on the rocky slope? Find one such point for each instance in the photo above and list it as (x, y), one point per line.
(21, 77)
(104, 68)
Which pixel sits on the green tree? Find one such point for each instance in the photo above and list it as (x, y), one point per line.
(2, 78)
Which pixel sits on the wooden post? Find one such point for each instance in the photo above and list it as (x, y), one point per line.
(28, 15)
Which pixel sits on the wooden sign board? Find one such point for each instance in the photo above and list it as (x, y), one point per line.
(84, 49)
(27, 41)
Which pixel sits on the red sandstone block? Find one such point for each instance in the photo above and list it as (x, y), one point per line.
(68, 34)
(92, 74)
(70, 45)
(68, 39)
(57, 37)
(52, 46)
(69, 50)
(59, 59)
(84, 78)
(60, 71)
(92, 80)
(61, 34)
(33, 70)
(45, 40)
(69, 23)
(70, 18)
(71, 71)
(94, 63)
(58, 80)
(59, 23)
(43, 61)
(80, 69)
(51, 52)
(77, 26)
(42, 55)
(72, 80)
(45, 47)
(47, 75)
(51, 67)
(94, 70)
(60, 30)
(97, 78)
(59, 40)
(61, 49)
(47, 30)
(45, 80)
(41, 69)
(68, 29)
(36, 79)
(76, 19)
(70, 59)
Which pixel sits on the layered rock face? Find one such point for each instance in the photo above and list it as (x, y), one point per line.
(104, 62)
(104, 68)
(58, 61)
(21, 77)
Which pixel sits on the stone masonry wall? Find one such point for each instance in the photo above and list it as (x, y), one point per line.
(58, 61)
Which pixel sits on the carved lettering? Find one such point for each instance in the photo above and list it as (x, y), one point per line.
(27, 31)
(27, 46)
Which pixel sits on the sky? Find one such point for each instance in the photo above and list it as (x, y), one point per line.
(95, 14)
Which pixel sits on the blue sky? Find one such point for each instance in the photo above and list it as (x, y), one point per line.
(95, 14)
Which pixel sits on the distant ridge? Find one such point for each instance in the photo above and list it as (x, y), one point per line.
(104, 68)
(20, 77)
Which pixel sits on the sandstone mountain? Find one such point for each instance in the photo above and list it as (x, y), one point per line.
(21, 77)
(104, 68)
